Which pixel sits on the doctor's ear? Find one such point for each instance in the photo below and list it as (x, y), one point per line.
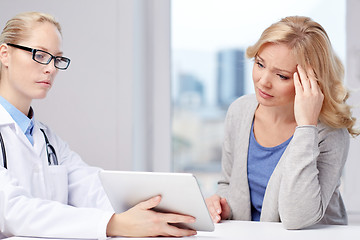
(4, 54)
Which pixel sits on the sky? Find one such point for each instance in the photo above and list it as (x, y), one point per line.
(200, 28)
(209, 24)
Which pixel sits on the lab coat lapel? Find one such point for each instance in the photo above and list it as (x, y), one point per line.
(23, 137)
(6, 119)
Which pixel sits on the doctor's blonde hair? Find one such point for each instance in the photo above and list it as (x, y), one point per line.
(311, 46)
(19, 27)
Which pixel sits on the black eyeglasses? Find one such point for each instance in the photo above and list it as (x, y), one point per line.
(45, 58)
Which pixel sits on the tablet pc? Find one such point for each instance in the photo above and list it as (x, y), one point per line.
(180, 194)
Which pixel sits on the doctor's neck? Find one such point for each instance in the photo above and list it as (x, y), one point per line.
(21, 104)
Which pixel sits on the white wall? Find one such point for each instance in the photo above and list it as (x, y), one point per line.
(352, 167)
(104, 105)
(83, 105)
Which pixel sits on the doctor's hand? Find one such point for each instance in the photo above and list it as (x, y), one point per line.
(218, 208)
(308, 97)
(141, 221)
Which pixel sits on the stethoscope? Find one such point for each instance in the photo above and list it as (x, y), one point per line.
(50, 150)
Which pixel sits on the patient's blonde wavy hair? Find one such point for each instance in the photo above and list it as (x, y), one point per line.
(19, 27)
(310, 45)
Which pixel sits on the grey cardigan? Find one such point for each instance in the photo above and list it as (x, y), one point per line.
(304, 187)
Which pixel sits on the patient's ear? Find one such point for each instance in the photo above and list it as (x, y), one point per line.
(4, 54)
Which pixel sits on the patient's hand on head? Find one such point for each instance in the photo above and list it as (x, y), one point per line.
(218, 208)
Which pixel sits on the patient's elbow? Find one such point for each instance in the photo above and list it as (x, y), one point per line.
(297, 223)
(292, 225)
(300, 218)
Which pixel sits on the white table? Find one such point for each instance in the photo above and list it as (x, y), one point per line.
(268, 231)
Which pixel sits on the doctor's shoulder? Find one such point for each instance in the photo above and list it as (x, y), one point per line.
(43, 127)
(51, 136)
(65, 155)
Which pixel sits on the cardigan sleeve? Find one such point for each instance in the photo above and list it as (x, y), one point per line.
(311, 174)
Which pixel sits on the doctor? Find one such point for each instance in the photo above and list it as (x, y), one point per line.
(46, 190)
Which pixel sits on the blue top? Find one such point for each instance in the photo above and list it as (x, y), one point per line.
(261, 163)
(25, 123)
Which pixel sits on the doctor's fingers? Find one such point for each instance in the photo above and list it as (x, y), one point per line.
(175, 218)
(150, 203)
(172, 231)
(167, 229)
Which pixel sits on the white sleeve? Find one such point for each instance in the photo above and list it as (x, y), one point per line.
(22, 215)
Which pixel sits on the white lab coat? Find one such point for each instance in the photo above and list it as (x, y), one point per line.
(48, 201)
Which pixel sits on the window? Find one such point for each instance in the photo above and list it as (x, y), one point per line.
(209, 69)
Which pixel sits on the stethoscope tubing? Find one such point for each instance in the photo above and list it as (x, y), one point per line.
(3, 151)
(48, 145)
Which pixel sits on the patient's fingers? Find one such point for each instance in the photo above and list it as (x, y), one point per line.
(225, 214)
(214, 207)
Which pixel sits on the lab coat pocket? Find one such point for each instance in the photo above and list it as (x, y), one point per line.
(58, 183)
